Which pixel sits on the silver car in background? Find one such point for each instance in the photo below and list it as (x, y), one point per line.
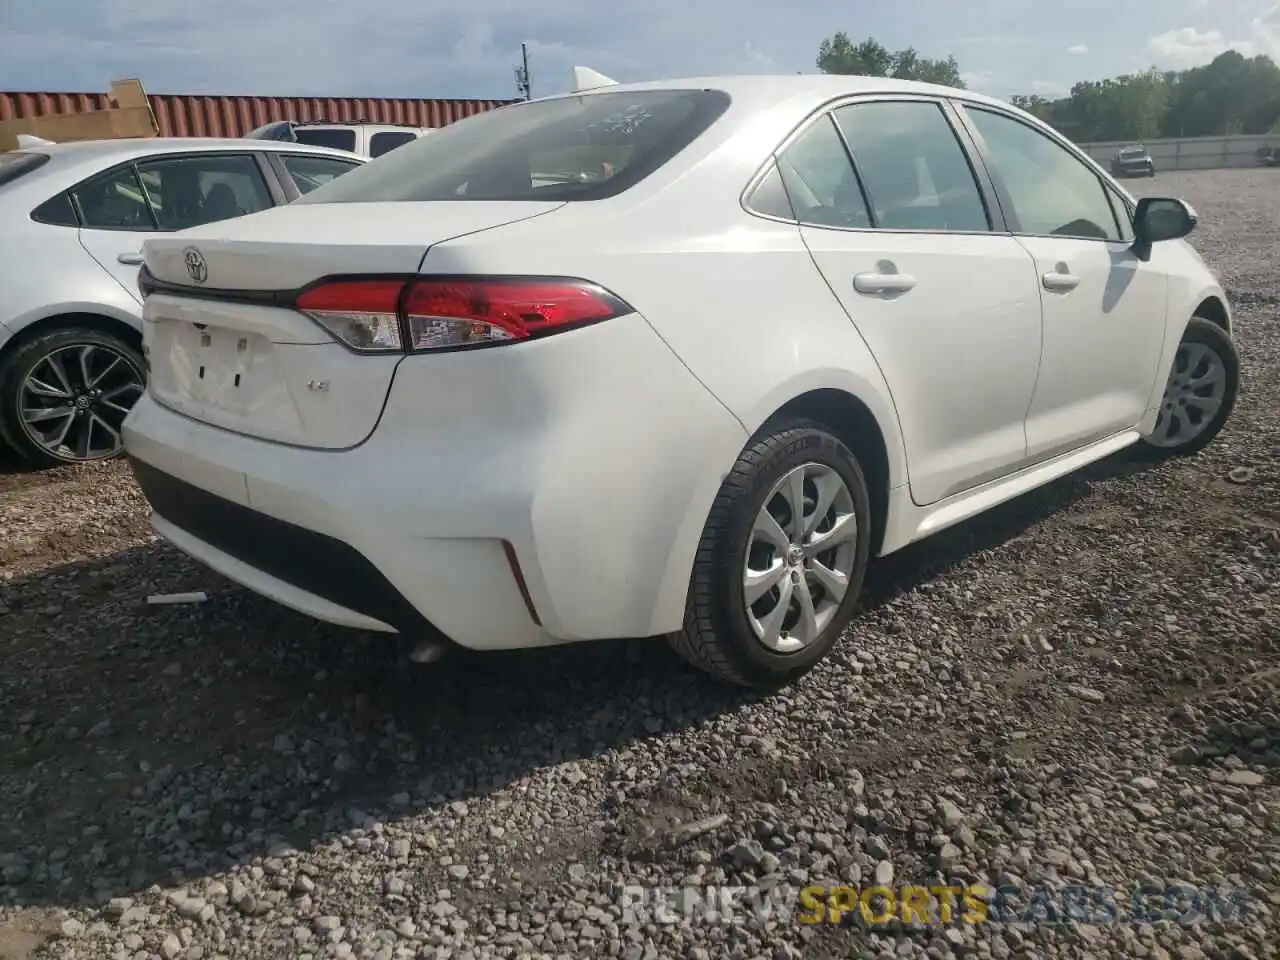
(72, 220)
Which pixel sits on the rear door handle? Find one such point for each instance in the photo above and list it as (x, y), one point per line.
(130, 259)
(883, 282)
(1061, 282)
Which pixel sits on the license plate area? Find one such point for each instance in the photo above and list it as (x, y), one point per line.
(224, 359)
(211, 367)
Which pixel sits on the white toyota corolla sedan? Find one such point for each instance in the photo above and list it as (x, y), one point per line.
(671, 358)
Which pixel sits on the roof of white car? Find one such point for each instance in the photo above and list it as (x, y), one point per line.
(141, 147)
(820, 86)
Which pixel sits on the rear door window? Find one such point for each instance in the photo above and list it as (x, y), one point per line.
(916, 174)
(114, 200)
(820, 179)
(56, 211)
(584, 147)
(337, 137)
(189, 191)
(387, 141)
(309, 172)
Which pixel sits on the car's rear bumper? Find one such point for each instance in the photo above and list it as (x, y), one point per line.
(562, 501)
(310, 571)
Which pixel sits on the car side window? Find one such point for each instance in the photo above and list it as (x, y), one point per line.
(56, 211)
(381, 143)
(338, 138)
(114, 200)
(1052, 191)
(770, 197)
(189, 191)
(820, 180)
(309, 172)
(916, 174)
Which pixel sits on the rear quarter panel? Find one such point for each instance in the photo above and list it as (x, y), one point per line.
(44, 272)
(736, 298)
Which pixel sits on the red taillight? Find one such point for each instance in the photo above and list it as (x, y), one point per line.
(352, 296)
(460, 312)
(436, 313)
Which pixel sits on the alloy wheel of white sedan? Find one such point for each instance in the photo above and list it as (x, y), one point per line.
(1200, 393)
(68, 394)
(792, 523)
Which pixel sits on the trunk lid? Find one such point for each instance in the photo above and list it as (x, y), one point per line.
(224, 351)
(287, 247)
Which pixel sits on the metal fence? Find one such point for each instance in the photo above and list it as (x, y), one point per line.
(1193, 153)
(183, 115)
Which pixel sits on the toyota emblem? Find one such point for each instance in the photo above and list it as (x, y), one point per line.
(196, 266)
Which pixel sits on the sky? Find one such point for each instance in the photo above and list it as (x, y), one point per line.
(451, 49)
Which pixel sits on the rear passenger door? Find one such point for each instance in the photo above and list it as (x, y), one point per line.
(119, 208)
(897, 220)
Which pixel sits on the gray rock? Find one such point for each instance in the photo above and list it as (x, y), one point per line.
(1086, 693)
(71, 928)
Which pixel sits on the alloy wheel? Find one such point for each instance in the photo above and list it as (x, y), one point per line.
(74, 399)
(800, 557)
(1195, 392)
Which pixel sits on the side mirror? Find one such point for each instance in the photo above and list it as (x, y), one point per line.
(1160, 218)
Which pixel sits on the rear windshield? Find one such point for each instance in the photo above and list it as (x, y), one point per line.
(1133, 151)
(15, 163)
(571, 148)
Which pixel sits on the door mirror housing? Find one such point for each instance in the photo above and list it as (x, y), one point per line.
(1158, 219)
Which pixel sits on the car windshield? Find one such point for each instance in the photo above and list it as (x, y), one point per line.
(1133, 151)
(584, 147)
(17, 162)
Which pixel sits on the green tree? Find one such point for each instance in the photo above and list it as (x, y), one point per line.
(1036, 105)
(1232, 94)
(870, 58)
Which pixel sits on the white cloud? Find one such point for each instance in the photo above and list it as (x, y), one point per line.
(1079, 50)
(1190, 47)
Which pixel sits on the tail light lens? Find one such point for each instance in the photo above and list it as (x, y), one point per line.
(363, 314)
(444, 313)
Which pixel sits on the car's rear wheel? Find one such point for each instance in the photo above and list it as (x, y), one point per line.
(780, 566)
(65, 394)
(1199, 394)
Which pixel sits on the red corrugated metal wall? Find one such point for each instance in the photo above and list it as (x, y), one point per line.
(184, 115)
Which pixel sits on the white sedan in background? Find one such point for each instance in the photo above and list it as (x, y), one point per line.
(669, 358)
(72, 220)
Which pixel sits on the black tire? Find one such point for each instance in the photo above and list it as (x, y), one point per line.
(1209, 334)
(17, 365)
(717, 636)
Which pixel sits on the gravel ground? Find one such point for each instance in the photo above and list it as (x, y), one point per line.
(1079, 688)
